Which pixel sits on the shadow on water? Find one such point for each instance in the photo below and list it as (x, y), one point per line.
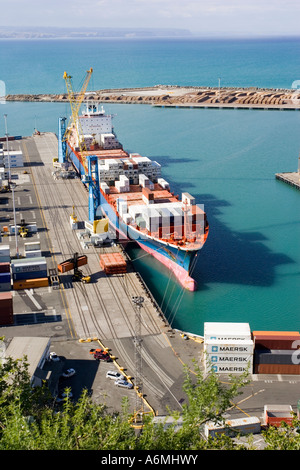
(234, 257)
(229, 256)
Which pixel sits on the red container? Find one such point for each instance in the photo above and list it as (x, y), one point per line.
(69, 265)
(284, 369)
(4, 267)
(291, 341)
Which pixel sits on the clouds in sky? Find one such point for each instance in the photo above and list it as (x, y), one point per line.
(230, 17)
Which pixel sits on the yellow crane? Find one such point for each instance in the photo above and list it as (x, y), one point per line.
(75, 100)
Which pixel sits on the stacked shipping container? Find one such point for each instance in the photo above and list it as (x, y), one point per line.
(276, 352)
(228, 347)
(29, 269)
(5, 277)
(113, 263)
(6, 308)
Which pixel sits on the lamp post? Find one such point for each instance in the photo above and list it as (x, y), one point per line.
(11, 186)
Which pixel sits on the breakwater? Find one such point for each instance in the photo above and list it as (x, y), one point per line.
(161, 95)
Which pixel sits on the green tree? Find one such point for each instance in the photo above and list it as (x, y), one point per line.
(30, 419)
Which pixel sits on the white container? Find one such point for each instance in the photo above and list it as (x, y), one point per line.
(228, 369)
(250, 425)
(32, 246)
(28, 265)
(4, 250)
(212, 346)
(33, 254)
(226, 331)
(229, 359)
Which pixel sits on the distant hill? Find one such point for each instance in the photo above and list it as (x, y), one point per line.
(12, 32)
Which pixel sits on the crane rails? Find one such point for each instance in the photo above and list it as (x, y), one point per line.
(75, 100)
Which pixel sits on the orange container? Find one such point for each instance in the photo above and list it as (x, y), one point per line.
(31, 283)
(68, 265)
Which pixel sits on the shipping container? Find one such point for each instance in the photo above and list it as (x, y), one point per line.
(31, 246)
(229, 368)
(227, 331)
(290, 341)
(232, 427)
(5, 286)
(113, 263)
(68, 265)
(227, 346)
(9, 320)
(5, 277)
(275, 333)
(6, 304)
(275, 356)
(274, 415)
(30, 275)
(33, 254)
(4, 267)
(283, 369)
(30, 283)
(28, 265)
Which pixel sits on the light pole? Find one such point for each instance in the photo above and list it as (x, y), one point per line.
(11, 186)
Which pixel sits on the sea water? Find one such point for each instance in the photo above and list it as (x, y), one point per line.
(249, 269)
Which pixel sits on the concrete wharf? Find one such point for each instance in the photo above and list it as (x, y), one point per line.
(102, 309)
(78, 317)
(293, 179)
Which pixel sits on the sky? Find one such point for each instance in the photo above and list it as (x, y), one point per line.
(201, 17)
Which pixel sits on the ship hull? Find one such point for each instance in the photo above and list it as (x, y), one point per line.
(179, 261)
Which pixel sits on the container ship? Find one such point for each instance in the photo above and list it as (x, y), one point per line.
(134, 197)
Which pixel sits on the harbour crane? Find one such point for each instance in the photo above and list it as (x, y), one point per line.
(76, 100)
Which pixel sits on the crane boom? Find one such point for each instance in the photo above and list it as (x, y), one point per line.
(75, 100)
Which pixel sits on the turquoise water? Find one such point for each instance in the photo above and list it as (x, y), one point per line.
(249, 269)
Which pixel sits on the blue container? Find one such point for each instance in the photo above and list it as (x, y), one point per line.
(5, 278)
(29, 275)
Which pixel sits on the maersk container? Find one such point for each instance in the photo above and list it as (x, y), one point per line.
(229, 358)
(232, 427)
(212, 346)
(228, 368)
(226, 331)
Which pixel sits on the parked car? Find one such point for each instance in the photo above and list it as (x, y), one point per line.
(123, 383)
(114, 375)
(53, 357)
(69, 373)
(102, 355)
(63, 395)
